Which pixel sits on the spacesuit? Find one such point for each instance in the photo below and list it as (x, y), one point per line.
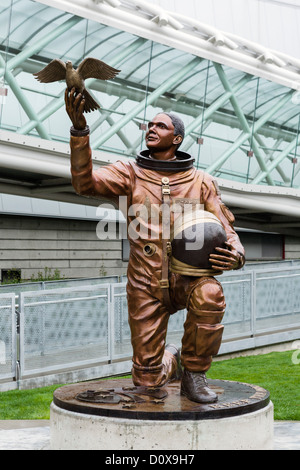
(152, 294)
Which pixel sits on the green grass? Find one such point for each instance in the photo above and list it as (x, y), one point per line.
(26, 404)
(274, 372)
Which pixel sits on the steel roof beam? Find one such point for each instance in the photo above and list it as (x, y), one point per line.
(270, 157)
(190, 109)
(39, 45)
(245, 136)
(244, 123)
(147, 101)
(35, 120)
(192, 37)
(24, 102)
(138, 95)
(216, 105)
(57, 103)
(119, 133)
(106, 113)
(283, 154)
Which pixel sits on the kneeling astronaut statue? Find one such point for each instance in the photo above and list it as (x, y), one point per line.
(168, 269)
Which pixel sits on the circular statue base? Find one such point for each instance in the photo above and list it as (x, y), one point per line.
(116, 415)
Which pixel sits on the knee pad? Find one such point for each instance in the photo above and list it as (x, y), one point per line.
(207, 301)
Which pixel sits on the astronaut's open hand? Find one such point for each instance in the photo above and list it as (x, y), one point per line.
(74, 107)
(227, 259)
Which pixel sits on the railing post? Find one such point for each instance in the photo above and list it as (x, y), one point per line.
(21, 339)
(253, 304)
(110, 322)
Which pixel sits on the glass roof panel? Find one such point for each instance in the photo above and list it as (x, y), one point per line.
(238, 126)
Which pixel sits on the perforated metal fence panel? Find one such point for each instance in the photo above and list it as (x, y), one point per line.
(239, 314)
(8, 339)
(82, 326)
(63, 328)
(121, 337)
(277, 299)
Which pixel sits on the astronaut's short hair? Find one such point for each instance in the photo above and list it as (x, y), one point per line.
(178, 124)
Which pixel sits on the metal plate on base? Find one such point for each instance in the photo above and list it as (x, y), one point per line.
(119, 398)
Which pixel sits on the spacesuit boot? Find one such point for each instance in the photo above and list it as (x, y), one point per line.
(195, 387)
(202, 338)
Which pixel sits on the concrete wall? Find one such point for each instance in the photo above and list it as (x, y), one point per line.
(71, 246)
(292, 247)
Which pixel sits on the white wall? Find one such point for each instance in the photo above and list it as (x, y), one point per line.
(272, 23)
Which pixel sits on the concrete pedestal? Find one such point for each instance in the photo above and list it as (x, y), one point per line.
(171, 422)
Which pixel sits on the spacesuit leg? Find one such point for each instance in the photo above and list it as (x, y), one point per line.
(202, 329)
(202, 338)
(148, 319)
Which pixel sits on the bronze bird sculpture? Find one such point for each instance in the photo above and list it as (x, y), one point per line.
(88, 68)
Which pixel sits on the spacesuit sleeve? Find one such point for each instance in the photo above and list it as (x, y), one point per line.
(109, 181)
(211, 198)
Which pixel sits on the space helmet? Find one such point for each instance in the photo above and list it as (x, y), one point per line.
(196, 235)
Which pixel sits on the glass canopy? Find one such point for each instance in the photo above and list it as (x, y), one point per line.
(238, 126)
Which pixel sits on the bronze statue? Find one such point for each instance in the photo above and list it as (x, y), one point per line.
(88, 68)
(161, 176)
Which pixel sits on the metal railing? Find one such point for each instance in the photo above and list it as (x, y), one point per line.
(54, 332)
(8, 337)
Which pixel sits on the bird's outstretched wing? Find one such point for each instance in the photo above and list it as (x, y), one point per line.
(53, 72)
(94, 68)
(90, 103)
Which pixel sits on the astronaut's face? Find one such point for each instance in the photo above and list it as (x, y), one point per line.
(160, 134)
